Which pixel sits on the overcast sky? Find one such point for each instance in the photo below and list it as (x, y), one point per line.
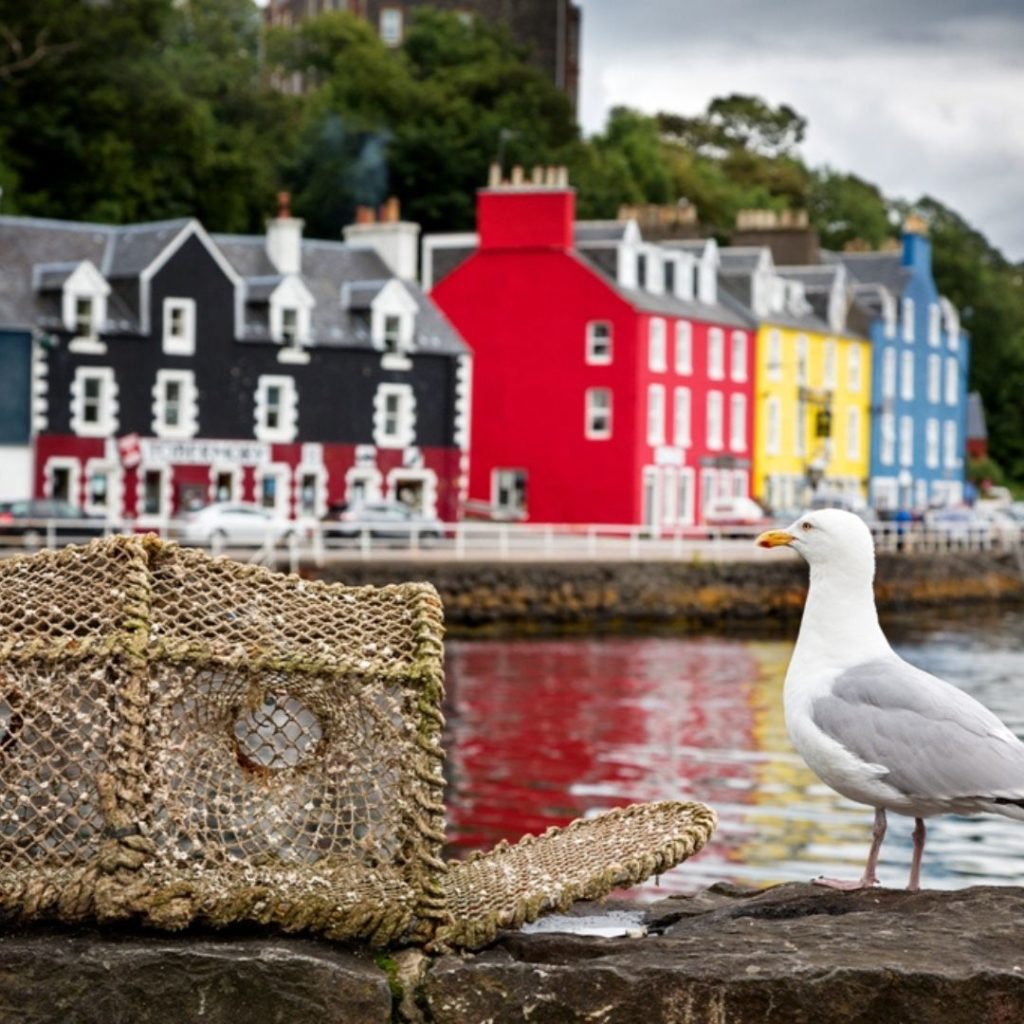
(917, 96)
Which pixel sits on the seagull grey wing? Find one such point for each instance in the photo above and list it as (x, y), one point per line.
(935, 742)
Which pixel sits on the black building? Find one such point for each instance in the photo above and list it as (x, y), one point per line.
(172, 367)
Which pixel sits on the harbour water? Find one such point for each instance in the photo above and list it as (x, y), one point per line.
(544, 731)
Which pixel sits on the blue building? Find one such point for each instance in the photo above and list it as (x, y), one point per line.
(919, 376)
(15, 413)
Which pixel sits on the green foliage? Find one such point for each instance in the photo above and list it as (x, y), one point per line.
(846, 208)
(738, 122)
(985, 471)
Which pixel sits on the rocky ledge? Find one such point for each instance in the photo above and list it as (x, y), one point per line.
(794, 954)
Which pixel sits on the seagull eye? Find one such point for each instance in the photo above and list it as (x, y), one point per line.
(806, 526)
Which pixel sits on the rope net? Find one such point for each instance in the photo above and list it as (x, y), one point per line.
(186, 739)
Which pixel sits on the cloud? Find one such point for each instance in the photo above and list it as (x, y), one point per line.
(921, 98)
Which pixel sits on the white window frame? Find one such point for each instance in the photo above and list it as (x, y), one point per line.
(234, 471)
(183, 343)
(887, 435)
(391, 26)
(74, 468)
(113, 473)
(952, 380)
(934, 378)
(934, 324)
(501, 478)
(802, 357)
(655, 414)
(907, 375)
(188, 420)
(773, 426)
(287, 427)
(599, 349)
(738, 422)
(107, 421)
(853, 432)
(952, 455)
(686, 496)
(889, 372)
(716, 353)
(684, 347)
(828, 369)
(597, 402)
(657, 333)
(281, 473)
(907, 313)
(854, 368)
(372, 481)
(800, 429)
(906, 440)
(682, 417)
(715, 422)
(773, 365)
(738, 357)
(931, 443)
(164, 512)
(404, 434)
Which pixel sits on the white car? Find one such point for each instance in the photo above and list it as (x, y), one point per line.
(235, 524)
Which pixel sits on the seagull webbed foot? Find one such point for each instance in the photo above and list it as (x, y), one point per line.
(845, 885)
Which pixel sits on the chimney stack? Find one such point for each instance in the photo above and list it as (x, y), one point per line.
(284, 238)
(395, 241)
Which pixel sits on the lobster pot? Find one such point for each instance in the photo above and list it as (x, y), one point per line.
(188, 739)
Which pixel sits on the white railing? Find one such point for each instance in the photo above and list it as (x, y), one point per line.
(291, 542)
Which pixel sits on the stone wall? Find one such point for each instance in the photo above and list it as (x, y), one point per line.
(794, 954)
(525, 597)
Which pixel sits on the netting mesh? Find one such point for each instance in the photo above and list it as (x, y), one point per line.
(191, 739)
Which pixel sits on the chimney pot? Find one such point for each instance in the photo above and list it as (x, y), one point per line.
(517, 175)
(284, 204)
(365, 215)
(537, 175)
(494, 176)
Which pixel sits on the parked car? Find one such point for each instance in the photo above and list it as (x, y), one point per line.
(234, 524)
(737, 517)
(957, 523)
(382, 519)
(36, 520)
(1000, 520)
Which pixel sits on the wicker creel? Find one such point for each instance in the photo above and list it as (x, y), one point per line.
(189, 739)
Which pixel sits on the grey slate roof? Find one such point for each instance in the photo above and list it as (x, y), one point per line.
(589, 232)
(36, 252)
(884, 268)
(739, 259)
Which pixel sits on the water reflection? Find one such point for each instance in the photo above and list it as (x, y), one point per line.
(544, 731)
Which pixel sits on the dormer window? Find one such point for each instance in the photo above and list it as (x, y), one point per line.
(179, 327)
(392, 333)
(289, 325)
(85, 317)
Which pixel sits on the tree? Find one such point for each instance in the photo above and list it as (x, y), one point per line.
(738, 122)
(845, 208)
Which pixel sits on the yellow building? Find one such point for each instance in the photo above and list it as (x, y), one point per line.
(812, 415)
(812, 378)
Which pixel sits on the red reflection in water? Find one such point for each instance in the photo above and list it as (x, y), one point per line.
(542, 732)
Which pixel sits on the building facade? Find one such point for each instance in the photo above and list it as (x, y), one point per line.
(548, 29)
(919, 376)
(812, 379)
(610, 385)
(172, 368)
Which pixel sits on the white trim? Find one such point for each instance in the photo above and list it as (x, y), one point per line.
(715, 418)
(394, 300)
(463, 400)
(369, 475)
(112, 471)
(183, 344)
(74, 468)
(934, 378)
(773, 362)
(682, 417)
(686, 510)
(427, 477)
(144, 518)
(854, 368)
(106, 424)
(716, 353)
(952, 380)
(772, 426)
(291, 295)
(932, 441)
(853, 432)
(887, 438)
(591, 412)
(85, 282)
(738, 422)
(431, 243)
(657, 336)
(907, 375)
(829, 365)
(287, 426)
(906, 440)
(738, 356)
(802, 358)
(235, 471)
(188, 407)
(950, 444)
(282, 474)
(404, 433)
(683, 355)
(40, 402)
(655, 414)
(907, 314)
(591, 357)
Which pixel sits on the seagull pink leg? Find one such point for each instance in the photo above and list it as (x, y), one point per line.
(915, 864)
(869, 878)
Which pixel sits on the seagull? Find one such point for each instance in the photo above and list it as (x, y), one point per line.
(869, 724)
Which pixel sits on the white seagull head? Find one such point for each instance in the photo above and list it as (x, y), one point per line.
(829, 537)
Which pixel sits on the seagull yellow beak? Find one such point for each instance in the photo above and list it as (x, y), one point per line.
(774, 539)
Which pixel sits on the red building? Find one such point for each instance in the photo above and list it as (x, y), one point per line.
(609, 383)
